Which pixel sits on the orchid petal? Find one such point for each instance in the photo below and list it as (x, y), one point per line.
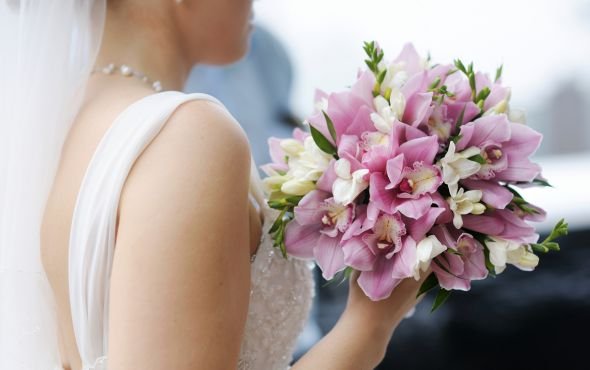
(358, 255)
(329, 256)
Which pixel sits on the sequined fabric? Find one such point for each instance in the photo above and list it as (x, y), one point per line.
(280, 301)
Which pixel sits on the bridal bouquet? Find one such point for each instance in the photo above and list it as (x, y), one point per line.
(413, 169)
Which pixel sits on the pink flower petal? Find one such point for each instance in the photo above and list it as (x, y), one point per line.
(515, 228)
(448, 281)
(493, 193)
(301, 240)
(329, 256)
(484, 224)
(524, 141)
(418, 228)
(415, 208)
(410, 57)
(277, 154)
(404, 260)
(417, 108)
(519, 169)
(420, 150)
(395, 168)
(489, 129)
(310, 211)
(379, 196)
(299, 134)
(358, 255)
(378, 284)
(362, 122)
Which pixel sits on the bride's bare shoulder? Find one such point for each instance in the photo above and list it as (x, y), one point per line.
(181, 269)
(200, 139)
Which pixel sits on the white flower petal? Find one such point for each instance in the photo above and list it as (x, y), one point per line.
(342, 168)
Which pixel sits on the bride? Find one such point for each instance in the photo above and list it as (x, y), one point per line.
(133, 230)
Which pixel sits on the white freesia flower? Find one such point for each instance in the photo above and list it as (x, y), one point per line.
(426, 250)
(292, 147)
(386, 113)
(464, 202)
(504, 252)
(457, 166)
(395, 77)
(306, 163)
(348, 185)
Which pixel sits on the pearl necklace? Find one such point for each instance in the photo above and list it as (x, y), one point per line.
(125, 70)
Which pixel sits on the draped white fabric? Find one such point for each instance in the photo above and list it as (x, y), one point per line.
(92, 237)
(47, 49)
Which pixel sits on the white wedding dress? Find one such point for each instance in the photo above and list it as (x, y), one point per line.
(282, 289)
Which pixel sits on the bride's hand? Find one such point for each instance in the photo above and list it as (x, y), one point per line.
(385, 315)
(360, 338)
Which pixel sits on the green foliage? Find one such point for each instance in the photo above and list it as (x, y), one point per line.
(430, 283)
(441, 298)
(375, 56)
(324, 144)
(499, 73)
(478, 158)
(330, 125)
(549, 244)
(277, 231)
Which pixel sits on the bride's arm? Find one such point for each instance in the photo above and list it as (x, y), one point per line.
(359, 339)
(181, 275)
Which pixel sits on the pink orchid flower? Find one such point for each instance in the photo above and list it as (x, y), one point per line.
(503, 224)
(383, 248)
(409, 178)
(463, 262)
(505, 146)
(317, 229)
(350, 111)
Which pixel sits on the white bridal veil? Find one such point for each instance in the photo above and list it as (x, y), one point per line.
(47, 50)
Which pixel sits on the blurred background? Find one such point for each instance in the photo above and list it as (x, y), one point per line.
(537, 320)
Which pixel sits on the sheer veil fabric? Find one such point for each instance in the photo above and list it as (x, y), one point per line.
(47, 50)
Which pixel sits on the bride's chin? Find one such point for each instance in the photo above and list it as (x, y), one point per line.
(232, 53)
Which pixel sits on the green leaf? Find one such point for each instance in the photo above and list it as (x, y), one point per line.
(489, 265)
(381, 76)
(434, 84)
(513, 191)
(430, 283)
(277, 224)
(472, 84)
(478, 158)
(458, 124)
(455, 139)
(441, 298)
(542, 182)
(483, 94)
(539, 248)
(499, 73)
(460, 66)
(320, 140)
(330, 124)
(560, 229)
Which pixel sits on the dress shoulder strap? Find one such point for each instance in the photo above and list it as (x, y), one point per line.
(92, 236)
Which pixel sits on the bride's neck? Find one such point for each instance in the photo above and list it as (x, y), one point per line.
(147, 44)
